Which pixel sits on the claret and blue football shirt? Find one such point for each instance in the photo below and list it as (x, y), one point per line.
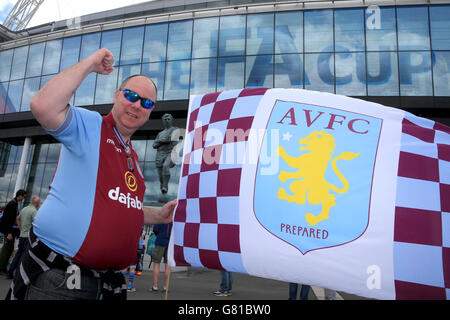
(93, 212)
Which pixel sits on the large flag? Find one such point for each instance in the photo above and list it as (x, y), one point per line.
(315, 188)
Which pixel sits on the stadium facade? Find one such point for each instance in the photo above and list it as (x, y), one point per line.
(396, 53)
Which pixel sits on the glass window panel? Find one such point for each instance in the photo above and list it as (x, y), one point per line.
(151, 183)
(441, 73)
(288, 71)
(35, 178)
(349, 29)
(350, 74)
(259, 71)
(111, 40)
(319, 72)
(440, 27)
(45, 79)
(318, 31)
(232, 36)
(150, 154)
(155, 44)
(30, 88)
(12, 182)
(126, 71)
(413, 28)
(14, 96)
(5, 64)
(47, 179)
(132, 42)
(172, 191)
(139, 146)
(34, 66)
(70, 52)
(18, 154)
(42, 155)
(382, 74)
(155, 71)
(260, 33)
(203, 76)
(3, 95)
(180, 37)
(5, 150)
(205, 38)
(176, 85)
(289, 32)
(12, 154)
(19, 63)
(89, 44)
(415, 73)
(106, 85)
(230, 73)
(30, 154)
(53, 152)
(381, 34)
(85, 92)
(52, 57)
(4, 183)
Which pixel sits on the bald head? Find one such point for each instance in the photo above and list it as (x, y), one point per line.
(35, 201)
(125, 81)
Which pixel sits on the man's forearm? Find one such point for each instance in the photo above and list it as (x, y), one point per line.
(159, 216)
(151, 216)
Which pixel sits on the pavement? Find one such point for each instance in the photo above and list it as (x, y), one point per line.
(199, 284)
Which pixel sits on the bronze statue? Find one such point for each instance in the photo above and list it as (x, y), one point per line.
(164, 144)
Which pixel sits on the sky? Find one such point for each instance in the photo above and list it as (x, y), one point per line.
(54, 10)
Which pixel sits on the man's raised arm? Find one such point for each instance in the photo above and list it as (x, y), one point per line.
(50, 104)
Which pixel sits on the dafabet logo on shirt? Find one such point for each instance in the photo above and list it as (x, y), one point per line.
(116, 195)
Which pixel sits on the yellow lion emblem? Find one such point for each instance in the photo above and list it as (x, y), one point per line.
(311, 183)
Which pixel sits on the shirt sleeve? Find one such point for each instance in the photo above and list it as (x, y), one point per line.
(78, 128)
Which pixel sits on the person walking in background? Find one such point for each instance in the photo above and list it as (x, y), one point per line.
(7, 224)
(140, 258)
(304, 292)
(330, 294)
(162, 232)
(24, 220)
(226, 284)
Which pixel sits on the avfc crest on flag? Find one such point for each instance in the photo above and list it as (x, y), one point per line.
(319, 196)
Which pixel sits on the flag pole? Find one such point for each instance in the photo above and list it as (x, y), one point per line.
(168, 283)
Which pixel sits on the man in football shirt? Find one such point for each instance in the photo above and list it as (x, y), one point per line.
(88, 228)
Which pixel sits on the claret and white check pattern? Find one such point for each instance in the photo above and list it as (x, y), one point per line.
(422, 215)
(210, 180)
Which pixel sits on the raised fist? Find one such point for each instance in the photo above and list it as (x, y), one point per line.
(102, 61)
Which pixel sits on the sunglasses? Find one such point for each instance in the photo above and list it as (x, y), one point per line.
(133, 97)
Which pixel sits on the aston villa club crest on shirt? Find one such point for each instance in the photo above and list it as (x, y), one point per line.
(314, 199)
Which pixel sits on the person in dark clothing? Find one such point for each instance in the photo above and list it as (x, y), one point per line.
(162, 232)
(7, 224)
